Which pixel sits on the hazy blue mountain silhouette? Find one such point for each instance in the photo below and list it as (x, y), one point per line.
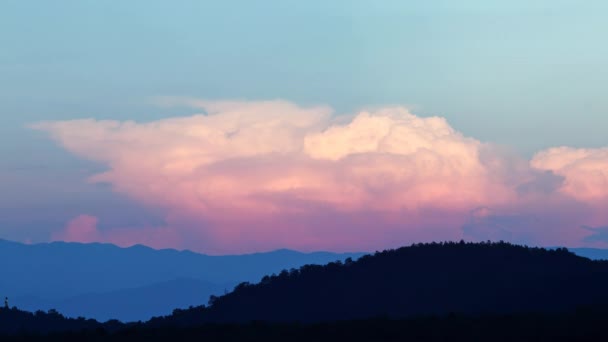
(423, 279)
(134, 304)
(591, 253)
(102, 280)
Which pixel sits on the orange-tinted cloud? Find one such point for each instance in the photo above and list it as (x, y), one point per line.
(260, 175)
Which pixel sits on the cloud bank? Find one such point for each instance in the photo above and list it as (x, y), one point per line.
(245, 176)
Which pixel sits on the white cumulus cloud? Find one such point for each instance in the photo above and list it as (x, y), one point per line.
(269, 170)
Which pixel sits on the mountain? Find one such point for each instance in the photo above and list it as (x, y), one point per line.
(431, 292)
(423, 279)
(105, 281)
(591, 253)
(134, 304)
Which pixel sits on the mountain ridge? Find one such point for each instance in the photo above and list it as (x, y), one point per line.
(48, 274)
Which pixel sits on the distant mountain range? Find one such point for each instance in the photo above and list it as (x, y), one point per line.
(103, 281)
(415, 281)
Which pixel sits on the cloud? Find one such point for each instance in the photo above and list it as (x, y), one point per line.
(550, 222)
(585, 170)
(84, 229)
(80, 229)
(599, 234)
(244, 176)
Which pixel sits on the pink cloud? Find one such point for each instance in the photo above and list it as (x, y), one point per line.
(84, 229)
(260, 175)
(585, 170)
(80, 229)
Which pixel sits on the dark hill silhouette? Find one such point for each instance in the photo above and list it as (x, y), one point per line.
(14, 321)
(437, 278)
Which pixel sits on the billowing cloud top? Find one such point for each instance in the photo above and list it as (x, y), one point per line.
(585, 170)
(260, 175)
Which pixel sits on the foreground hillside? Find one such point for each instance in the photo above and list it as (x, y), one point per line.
(575, 326)
(16, 322)
(423, 279)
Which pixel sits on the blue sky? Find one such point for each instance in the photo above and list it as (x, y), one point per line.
(498, 71)
(525, 74)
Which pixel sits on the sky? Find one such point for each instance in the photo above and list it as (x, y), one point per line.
(240, 126)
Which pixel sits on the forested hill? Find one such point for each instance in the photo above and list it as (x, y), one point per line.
(436, 278)
(15, 321)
